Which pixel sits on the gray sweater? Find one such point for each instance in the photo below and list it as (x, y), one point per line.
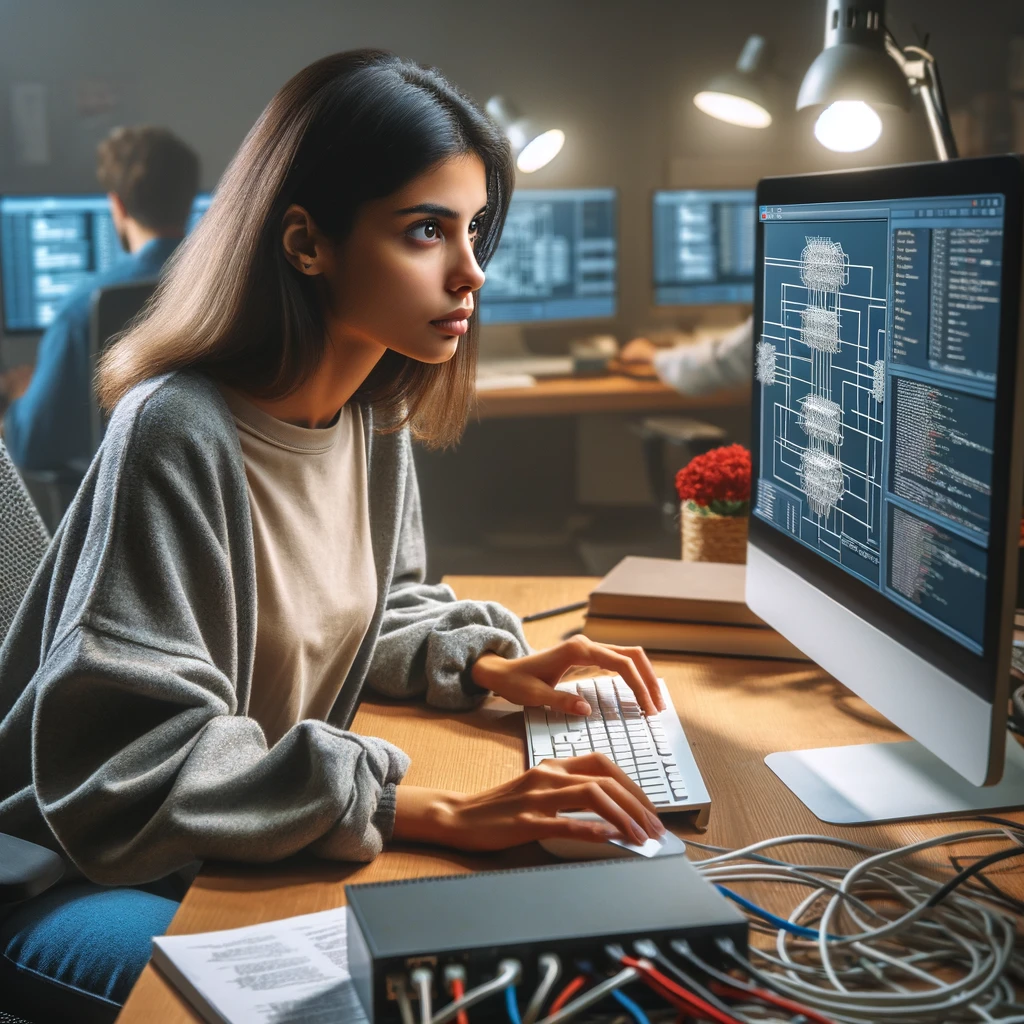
(124, 680)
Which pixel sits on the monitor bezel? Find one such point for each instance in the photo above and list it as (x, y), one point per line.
(986, 675)
(29, 332)
(653, 194)
(616, 192)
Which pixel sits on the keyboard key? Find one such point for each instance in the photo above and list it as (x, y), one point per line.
(540, 743)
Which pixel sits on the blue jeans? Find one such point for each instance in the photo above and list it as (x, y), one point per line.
(74, 952)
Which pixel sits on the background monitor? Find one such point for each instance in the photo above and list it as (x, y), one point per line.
(49, 245)
(557, 259)
(703, 246)
(887, 459)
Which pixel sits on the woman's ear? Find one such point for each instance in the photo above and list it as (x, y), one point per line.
(303, 244)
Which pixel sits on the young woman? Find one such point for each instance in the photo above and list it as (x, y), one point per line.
(246, 551)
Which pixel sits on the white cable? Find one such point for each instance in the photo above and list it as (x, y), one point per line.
(509, 972)
(594, 995)
(423, 979)
(869, 962)
(552, 968)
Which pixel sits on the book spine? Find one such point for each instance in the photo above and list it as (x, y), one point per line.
(734, 641)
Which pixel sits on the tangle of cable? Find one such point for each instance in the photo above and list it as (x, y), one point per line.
(891, 939)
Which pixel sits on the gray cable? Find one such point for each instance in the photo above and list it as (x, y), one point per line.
(402, 998)
(552, 968)
(594, 995)
(509, 972)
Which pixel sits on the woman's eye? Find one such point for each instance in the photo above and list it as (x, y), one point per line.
(475, 226)
(425, 232)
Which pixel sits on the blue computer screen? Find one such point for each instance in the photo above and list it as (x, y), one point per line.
(877, 366)
(49, 245)
(557, 259)
(703, 246)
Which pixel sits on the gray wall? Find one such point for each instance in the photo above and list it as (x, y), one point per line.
(617, 76)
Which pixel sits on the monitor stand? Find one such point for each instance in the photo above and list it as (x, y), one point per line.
(878, 782)
(502, 342)
(503, 354)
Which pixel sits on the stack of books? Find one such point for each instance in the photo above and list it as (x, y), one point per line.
(666, 605)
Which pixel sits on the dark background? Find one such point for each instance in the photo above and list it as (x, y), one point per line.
(617, 77)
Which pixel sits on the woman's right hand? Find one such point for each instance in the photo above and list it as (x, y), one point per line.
(639, 350)
(526, 809)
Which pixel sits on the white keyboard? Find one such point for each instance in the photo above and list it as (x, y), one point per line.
(653, 751)
(535, 366)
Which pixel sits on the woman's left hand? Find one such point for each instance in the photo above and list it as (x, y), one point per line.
(531, 681)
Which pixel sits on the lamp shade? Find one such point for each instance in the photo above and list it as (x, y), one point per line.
(744, 95)
(854, 64)
(533, 144)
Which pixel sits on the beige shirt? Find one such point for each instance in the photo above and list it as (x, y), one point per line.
(316, 584)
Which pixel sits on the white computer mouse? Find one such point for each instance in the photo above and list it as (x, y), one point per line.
(579, 849)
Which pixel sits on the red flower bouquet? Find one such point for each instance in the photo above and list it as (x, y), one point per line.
(717, 482)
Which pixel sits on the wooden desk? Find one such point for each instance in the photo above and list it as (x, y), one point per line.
(735, 712)
(569, 396)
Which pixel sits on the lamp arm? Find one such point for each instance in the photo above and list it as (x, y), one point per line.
(922, 73)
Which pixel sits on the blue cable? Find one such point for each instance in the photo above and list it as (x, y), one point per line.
(512, 1005)
(767, 915)
(630, 1007)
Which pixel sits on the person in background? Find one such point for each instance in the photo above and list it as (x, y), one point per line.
(151, 178)
(717, 364)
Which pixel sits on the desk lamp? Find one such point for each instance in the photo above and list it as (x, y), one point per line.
(862, 66)
(533, 145)
(744, 95)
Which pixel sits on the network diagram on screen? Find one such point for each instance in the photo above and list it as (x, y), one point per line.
(557, 258)
(876, 360)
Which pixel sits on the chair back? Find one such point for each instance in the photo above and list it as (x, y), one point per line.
(23, 541)
(113, 309)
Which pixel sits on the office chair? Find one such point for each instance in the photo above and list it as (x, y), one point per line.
(25, 869)
(112, 310)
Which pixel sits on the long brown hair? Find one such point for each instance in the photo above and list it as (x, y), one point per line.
(349, 128)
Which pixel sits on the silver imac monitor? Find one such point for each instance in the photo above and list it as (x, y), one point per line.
(887, 466)
(703, 246)
(557, 258)
(50, 245)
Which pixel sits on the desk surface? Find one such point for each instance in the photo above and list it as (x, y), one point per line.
(567, 396)
(735, 712)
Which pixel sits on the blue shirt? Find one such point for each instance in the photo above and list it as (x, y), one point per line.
(48, 427)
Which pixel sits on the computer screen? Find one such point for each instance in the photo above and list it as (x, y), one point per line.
(557, 259)
(49, 245)
(888, 466)
(703, 246)
(877, 358)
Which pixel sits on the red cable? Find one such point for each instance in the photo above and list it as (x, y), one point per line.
(567, 993)
(650, 974)
(686, 1011)
(770, 997)
(458, 991)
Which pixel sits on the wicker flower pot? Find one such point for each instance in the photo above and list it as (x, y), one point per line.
(708, 537)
